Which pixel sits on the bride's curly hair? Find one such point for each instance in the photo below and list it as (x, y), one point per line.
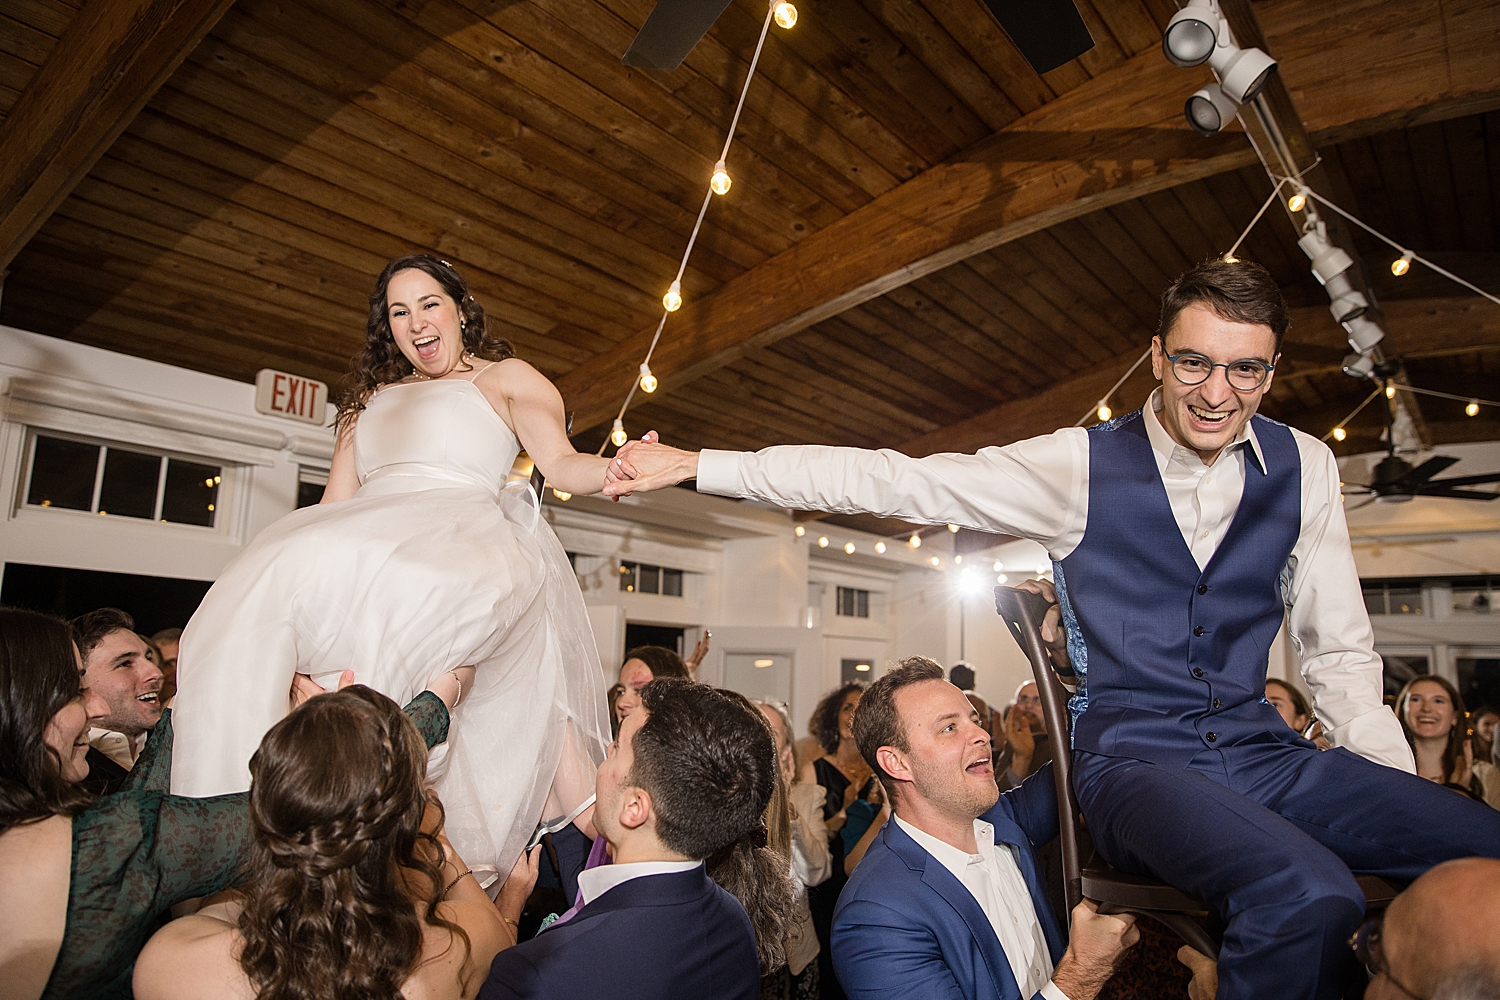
(380, 361)
(336, 802)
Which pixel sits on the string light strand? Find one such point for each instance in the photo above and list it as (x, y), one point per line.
(1353, 413)
(702, 211)
(1113, 389)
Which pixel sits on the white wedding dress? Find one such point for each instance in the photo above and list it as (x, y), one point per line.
(431, 565)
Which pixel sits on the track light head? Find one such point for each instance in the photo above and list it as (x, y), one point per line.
(1191, 34)
(1359, 365)
(1328, 261)
(1349, 306)
(1210, 109)
(1243, 73)
(1364, 333)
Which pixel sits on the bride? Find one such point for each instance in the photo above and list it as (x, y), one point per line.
(419, 561)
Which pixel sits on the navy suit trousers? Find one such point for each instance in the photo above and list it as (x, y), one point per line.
(1268, 833)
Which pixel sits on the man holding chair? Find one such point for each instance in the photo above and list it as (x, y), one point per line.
(1181, 536)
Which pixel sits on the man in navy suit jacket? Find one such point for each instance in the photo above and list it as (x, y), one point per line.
(691, 772)
(948, 901)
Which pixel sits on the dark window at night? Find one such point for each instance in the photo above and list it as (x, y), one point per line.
(852, 603)
(640, 578)
(63, 474)
(130, 483)
(309, 494)
(71, 474)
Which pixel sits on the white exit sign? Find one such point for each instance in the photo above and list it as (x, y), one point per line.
(279, 394)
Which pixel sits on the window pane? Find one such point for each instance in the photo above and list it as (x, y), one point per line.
(650, 580)
(1472, 600)
(192, 493)
(627, 576)
(1375, 600)
(129, 488)
(62, 474)
(309, 494)
(671, 582)
(862, 604)
(1406, 600)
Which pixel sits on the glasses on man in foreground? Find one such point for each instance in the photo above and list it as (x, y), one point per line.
(1246, 375)
(1367, 948)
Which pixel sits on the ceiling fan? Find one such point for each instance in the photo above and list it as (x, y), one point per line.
(1395, 480)
(1048, 32)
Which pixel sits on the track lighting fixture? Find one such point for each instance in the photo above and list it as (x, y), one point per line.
(1359, 365)
(1330, 265)
(1210, 109)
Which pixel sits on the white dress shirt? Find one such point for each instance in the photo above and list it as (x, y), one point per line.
(595, 882)
(995, 881)
(1039, 489)
(118, 747)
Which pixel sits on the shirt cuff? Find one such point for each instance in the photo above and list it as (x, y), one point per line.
(719, 472)
(1376, 736)
(1051, 992)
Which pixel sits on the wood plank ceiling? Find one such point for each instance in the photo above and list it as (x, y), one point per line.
(239, 220)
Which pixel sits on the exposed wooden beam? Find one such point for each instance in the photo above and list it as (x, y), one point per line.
(1115, 138)
(1415, 327)
(107, 63)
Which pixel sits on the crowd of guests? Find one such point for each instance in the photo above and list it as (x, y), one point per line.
(722, 857)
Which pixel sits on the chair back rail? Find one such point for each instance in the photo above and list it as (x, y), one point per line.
(1022, 612)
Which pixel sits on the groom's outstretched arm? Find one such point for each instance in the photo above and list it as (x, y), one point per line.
(1033, 488)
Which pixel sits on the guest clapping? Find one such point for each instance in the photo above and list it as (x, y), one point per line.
(348, 893)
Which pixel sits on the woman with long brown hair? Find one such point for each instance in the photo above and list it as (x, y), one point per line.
(86, 880)
(419, 560)
(1437, 727)
(349, 894)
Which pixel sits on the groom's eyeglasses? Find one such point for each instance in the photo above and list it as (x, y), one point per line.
(1245, 375)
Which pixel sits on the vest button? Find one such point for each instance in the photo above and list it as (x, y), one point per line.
(1202, 588)
(1211, 737)
(1216, 703)
(1197, 671)
(1199, 630)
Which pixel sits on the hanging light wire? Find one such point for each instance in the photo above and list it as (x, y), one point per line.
(1355, 412)
(702, 209)
(1275, 191)
(1445, 395)
(1112, 389)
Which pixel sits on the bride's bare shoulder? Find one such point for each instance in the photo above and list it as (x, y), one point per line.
(194, 956)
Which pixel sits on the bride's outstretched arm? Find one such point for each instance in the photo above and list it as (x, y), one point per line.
(534, 409)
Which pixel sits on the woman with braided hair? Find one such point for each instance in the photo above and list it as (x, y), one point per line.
(352, 892)
(419, 560)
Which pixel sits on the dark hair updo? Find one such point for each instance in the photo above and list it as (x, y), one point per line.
(380, 361)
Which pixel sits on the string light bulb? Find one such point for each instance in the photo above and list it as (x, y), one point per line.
(672, 301)
(799, 531)
(1296, 202)
(1104, 411)
(849, 548)
(915, 541)
(953, 528)
(1339, 434)
(562, 495)
(822, 541)
(1390, 391)
(1230, 258)
(880, 547)
(1001, 578)
(721, 181)
(1472, 410)
(958, 560)
(648, 380)
(999, 566)
(1402, 264)
(784, 13)
(617, 436)
(935, 561)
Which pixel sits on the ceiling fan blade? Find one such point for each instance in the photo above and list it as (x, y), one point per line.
(671, 31)
(1480, 480)
(1048, 32)
(1425, 471)
(1430, 491)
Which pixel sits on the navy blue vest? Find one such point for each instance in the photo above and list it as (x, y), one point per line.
(1173, 658)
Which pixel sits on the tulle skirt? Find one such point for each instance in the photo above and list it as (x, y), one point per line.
(409, 578)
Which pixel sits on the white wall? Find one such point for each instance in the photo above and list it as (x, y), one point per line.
(50, 385)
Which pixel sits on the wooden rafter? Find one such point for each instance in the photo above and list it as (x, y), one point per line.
(108, 62)
(1117, 137)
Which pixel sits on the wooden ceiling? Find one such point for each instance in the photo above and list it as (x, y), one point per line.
(927, 245)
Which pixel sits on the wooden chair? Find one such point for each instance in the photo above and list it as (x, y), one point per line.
(1114, 891)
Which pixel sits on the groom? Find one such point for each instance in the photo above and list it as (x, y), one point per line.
(1181, 535)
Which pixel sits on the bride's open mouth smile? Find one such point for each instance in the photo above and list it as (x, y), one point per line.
(427, 347)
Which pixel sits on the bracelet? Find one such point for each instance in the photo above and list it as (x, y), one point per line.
(467, 872)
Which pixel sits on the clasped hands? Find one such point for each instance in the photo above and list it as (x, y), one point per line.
(646, 464)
